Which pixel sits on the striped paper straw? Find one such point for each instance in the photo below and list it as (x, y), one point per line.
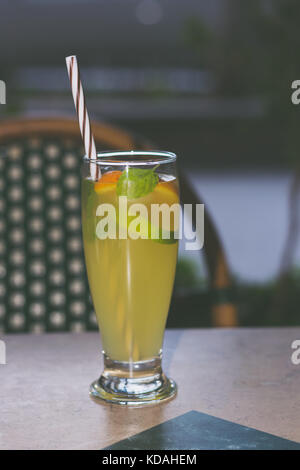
(82, 114)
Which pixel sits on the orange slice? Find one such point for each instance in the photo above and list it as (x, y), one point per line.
(167, 190)
(107, 181)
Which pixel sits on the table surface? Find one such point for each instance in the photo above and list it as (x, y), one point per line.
(242, 375)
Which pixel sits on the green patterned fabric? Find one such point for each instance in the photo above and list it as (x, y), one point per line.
(43, 283)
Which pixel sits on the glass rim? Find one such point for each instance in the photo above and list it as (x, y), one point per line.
(107, 157)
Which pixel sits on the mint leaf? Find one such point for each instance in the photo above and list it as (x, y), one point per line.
(136, 182)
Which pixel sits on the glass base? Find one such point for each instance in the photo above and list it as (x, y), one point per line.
(133, 383)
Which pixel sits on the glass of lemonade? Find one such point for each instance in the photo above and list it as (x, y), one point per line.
(131, 269)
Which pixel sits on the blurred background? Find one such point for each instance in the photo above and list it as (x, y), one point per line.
(210, 81)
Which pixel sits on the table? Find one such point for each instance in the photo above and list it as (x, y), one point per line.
(242, 375)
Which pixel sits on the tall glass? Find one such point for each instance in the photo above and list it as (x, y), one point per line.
(131, 278)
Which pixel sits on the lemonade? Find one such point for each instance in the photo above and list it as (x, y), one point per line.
(131, 280)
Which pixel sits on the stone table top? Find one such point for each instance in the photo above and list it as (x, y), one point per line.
(242, 375)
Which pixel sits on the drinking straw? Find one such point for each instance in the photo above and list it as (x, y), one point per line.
(90, 150)
(82, 114)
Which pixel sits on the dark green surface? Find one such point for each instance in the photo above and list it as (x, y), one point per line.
(199, 431)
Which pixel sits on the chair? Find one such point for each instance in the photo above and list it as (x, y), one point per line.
(218, 302)
(43, 286)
